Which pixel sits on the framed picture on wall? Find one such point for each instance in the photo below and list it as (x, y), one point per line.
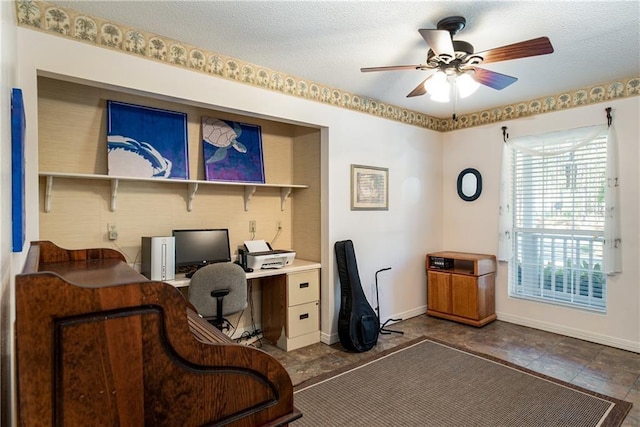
(146, 142)
(232, 151)
(18, 126)
(369, 188)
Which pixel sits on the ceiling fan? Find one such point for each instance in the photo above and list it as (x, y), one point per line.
(457, 58)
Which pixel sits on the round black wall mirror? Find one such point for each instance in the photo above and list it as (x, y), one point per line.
(469, 184)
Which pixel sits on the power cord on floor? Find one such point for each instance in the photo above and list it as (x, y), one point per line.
(256, 331)
(252, 339)
(235, 327)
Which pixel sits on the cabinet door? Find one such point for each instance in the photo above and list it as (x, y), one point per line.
(464, 292)
(439, 291)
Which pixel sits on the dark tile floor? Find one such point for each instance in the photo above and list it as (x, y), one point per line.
(603, 369)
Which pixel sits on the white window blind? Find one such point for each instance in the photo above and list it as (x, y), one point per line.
(558, 214)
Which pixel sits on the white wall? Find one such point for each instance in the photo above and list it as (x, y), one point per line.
(398, 238)
(9, 262)
(473, 226)
(401, 237)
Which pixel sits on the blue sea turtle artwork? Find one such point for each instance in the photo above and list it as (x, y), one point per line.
(222, 136)
(232, 151)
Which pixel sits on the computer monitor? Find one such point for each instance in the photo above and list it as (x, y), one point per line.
(196, 248)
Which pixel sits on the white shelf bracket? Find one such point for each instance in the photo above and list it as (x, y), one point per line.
(284, 194)
(47, 194)
(193, 188)
(114, 194)
(249, 191)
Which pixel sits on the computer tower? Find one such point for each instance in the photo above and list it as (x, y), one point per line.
(158, 258)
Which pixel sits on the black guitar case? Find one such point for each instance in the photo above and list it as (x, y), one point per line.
(358, 325)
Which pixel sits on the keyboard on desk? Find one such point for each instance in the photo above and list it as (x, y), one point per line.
(188, 270)
(183, 269)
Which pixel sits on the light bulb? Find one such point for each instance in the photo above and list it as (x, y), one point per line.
(438, 87)
(466, 85)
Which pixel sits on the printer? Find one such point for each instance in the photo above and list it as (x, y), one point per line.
(257, 254)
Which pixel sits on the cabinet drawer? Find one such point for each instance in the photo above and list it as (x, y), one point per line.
(303, 287)
(302, 319)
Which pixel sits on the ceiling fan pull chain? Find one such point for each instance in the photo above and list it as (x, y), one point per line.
(454, 88)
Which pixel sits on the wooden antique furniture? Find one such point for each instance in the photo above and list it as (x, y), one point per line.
(98, 344)
(461, 287)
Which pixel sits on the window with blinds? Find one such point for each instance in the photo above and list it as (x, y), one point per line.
(558, 211)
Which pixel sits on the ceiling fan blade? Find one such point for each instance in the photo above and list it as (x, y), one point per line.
(419, 90)
(438, 40)
(492, 79)
(391, 68)
(533, 47)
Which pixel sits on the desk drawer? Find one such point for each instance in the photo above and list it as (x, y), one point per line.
(302, 319)
(303, 287)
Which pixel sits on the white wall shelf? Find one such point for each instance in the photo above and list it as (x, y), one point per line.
(191, 186)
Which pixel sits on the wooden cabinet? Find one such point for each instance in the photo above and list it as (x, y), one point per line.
(461, 287)
(291, 309)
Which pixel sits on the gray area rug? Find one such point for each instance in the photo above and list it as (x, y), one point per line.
(429, 383)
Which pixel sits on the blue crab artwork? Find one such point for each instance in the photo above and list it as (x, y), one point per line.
(128, 157)
(146, 142)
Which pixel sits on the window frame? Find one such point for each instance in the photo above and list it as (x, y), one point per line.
(537, 281)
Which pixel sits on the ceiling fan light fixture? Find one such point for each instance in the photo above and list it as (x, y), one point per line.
(465, 85)
(455, 62)
(441, 95)
(438, 87)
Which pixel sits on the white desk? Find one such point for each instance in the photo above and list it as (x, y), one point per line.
(290, 303)
(298, 265)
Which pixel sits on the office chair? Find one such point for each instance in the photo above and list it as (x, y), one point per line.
(217, 290)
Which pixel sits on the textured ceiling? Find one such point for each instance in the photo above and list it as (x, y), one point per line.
(328, 41)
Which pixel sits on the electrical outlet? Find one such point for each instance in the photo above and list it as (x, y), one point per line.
(112, 231)
(278, 225)
(252, 226)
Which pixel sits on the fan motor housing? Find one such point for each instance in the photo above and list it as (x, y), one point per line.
(459, 46)
(462, 46)
(452, 24)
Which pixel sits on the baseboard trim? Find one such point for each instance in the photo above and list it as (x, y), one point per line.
(329, 338)
(333, 338)
(407, 314)
(571, 332)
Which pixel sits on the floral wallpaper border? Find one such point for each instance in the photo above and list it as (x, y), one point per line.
(68, 23)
